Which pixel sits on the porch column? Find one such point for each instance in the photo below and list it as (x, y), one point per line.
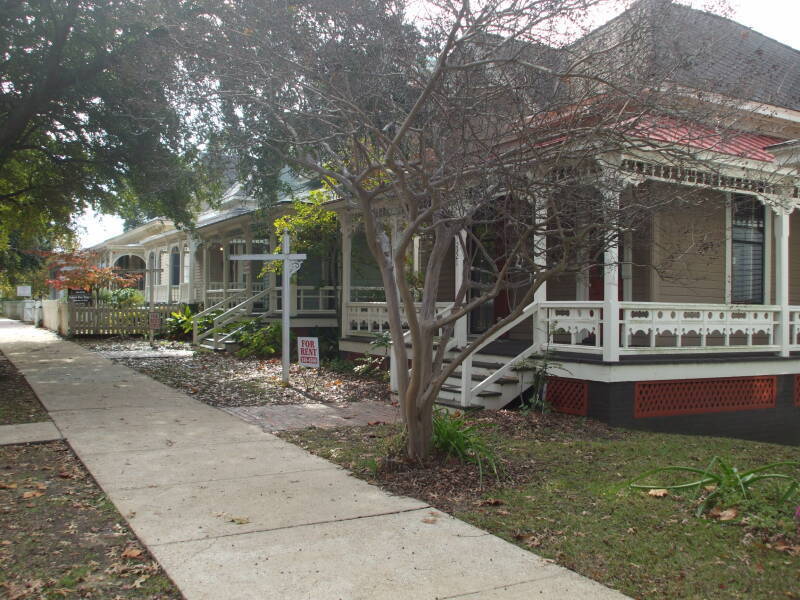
(182, 251)
(611, 290)
(190, 276)
(271, 279)
(782, 279)
(460, 330)
(206, 272)
(540, 337)
(226, 264)
(345, 223)
(248, 267)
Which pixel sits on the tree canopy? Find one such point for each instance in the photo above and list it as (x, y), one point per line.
(91, 114)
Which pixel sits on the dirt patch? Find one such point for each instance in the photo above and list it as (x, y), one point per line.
(18, 403)
(61, 538)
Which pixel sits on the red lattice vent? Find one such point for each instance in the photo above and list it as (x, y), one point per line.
(696, 396)
(569, 396)
(797, 390)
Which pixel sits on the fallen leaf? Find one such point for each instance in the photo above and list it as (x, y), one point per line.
(429, 520)
(28, 495)
(728, 515)
(8, 486)
(658, 493)
(491, 502)
(131, 552)
(240, 520)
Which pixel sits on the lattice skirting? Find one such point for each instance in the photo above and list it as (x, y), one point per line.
(569, 396)
(697, 396)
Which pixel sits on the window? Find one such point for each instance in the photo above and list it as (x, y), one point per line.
(187, 264)
(748, 250)
(174, 267)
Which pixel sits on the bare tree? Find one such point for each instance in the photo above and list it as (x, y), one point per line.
(490, 126)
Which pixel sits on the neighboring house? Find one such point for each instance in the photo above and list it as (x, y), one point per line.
(194, 268)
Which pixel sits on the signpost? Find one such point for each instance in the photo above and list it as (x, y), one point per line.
(24, 291)
(291, 264)
(308, 352)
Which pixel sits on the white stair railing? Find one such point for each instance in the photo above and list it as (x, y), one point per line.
(221, 305)
(468, 391)
(230, 315)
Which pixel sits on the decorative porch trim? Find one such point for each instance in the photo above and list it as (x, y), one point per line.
(569, 396)
(709, 179)
(698, 396)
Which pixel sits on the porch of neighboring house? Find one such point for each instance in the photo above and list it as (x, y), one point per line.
(232, 290)
(713, 347)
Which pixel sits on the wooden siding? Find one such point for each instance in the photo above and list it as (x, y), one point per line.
(690, 251)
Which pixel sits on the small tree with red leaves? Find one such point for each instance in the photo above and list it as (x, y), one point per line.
(76, 271)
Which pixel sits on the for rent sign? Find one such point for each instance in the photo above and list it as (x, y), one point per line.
(308, 352)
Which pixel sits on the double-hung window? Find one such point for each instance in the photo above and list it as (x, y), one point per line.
(748, 250)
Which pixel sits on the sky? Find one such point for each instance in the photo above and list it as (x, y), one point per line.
(777, 19)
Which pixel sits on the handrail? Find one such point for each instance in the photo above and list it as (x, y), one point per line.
(504, 369)
(468, 391)
(223, 319)
(527, 313)
(195, 333)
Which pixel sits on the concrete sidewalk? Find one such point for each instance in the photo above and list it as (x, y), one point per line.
(234, 513)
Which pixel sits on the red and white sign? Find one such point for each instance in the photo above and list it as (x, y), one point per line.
(308, 352)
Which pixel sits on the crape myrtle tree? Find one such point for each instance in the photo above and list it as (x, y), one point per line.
(481, 125)
(91, 114)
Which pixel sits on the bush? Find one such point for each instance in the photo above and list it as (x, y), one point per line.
(180, 324)
(455, 437)
(721, 485)
(263, 342)
(127, 297)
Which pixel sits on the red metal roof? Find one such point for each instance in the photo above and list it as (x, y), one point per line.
(733, 143)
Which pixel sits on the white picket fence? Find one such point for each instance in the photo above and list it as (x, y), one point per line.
(69, 319)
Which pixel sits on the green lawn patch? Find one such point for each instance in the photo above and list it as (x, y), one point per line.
(564, 496)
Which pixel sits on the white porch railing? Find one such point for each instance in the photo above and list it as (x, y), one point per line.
(373, 317)
(656, 328)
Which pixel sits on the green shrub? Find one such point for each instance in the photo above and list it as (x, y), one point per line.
(721, 484)
(455, 437)
(180, 324)
(127, 297)
(339, 365)
(264, 342)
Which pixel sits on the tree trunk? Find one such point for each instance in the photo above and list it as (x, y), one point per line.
(420, 432)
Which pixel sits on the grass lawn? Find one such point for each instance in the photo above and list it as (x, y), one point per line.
(564, 495)
(18, 403)
(61, 538)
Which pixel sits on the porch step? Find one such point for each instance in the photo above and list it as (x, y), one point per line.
(480, 377)
(457, 390)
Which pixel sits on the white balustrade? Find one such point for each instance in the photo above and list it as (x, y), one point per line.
(574, 326)
(655, 327)
(373, 317)
(650, 327)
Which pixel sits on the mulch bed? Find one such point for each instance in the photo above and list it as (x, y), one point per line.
(220, 379)
(61, 538)
(443, 481)
(18, 403)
